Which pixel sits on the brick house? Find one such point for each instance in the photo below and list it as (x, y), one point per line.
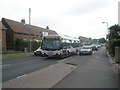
(2, 37)
(85, 40)
(21, 30)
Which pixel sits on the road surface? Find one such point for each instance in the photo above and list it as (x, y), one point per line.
(15, 68)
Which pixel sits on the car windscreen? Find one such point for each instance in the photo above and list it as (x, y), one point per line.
(85, 47)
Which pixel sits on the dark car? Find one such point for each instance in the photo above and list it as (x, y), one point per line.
(94, 47)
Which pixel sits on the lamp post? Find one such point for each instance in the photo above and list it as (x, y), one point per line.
(107, 28)
(106, 23)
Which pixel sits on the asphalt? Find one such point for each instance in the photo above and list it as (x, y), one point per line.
(14, 68)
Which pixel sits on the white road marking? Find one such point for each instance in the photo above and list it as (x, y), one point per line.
(96, 57)
(94, 52)
(22, 76)
(5, 65)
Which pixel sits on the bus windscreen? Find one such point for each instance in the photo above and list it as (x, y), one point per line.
(51, 44)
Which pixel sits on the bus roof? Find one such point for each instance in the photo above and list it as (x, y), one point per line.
(63, 37)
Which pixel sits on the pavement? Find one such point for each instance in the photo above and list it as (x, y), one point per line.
(112, 61)
(94, 71)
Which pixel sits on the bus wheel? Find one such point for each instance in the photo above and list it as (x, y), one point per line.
(68, 54)
(62, 56)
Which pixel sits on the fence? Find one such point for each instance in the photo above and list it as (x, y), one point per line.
(117, 54)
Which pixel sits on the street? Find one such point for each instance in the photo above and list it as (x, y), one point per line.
(93, 71)
(15, 68)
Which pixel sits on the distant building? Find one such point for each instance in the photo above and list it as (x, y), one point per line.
(85, 41)
(11, 30)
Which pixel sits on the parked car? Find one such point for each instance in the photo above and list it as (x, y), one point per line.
(99, 45)
(94, 47)
(86, 50)
(38, 52)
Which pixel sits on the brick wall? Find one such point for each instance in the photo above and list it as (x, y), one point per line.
(2, 37)
(25, 36)
(2, 40)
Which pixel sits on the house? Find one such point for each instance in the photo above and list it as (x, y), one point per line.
(2, 37)
(14, 30)
(85, 40)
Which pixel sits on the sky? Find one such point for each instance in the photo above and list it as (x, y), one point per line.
(67, 17)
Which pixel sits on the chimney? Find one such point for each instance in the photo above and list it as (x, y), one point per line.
(23, 21)
(47, 27)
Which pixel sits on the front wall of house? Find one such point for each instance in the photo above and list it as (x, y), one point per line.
(3, 40)
(10, 39)
(25, 36)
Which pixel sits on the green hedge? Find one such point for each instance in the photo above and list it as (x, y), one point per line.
(21, 44)
(35, 45)
(112, 44)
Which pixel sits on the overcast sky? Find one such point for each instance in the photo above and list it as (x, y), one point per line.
(66, 17)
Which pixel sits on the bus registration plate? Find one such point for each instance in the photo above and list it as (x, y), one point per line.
(50, 53)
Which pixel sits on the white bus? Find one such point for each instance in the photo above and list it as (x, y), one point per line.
(59, 46)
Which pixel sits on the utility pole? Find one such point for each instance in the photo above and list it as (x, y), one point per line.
(119, 13)
(29, 29)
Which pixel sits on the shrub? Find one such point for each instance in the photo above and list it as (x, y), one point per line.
(21, 44)
(112, 44)
(35, 45)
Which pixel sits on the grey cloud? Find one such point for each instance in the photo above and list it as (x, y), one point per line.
(88, 7)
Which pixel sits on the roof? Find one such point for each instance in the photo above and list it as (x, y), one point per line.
(2, 26)
(24, 28)
(85, 38)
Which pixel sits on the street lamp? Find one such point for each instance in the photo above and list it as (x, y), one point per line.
(107, 29)
(106, 23)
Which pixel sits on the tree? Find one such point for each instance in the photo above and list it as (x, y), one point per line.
(114, 32)
(114, 39)
(102, 40)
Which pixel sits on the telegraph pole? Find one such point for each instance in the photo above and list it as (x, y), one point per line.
(29, 29)
(119, 13)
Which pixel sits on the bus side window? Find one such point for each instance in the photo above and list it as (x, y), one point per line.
(65, 47)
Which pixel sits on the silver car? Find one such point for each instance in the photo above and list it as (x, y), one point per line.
(38, 52)
(85, 50)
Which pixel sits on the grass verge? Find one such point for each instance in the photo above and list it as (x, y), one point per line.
(14, 56)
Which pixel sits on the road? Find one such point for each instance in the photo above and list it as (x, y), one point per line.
(94, 71)
(15, 68)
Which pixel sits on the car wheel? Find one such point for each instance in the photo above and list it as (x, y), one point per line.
(35, 54)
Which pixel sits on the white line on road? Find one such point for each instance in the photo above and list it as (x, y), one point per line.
(96, 57)
(94, 52)
(22, 76)
(5, 65)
